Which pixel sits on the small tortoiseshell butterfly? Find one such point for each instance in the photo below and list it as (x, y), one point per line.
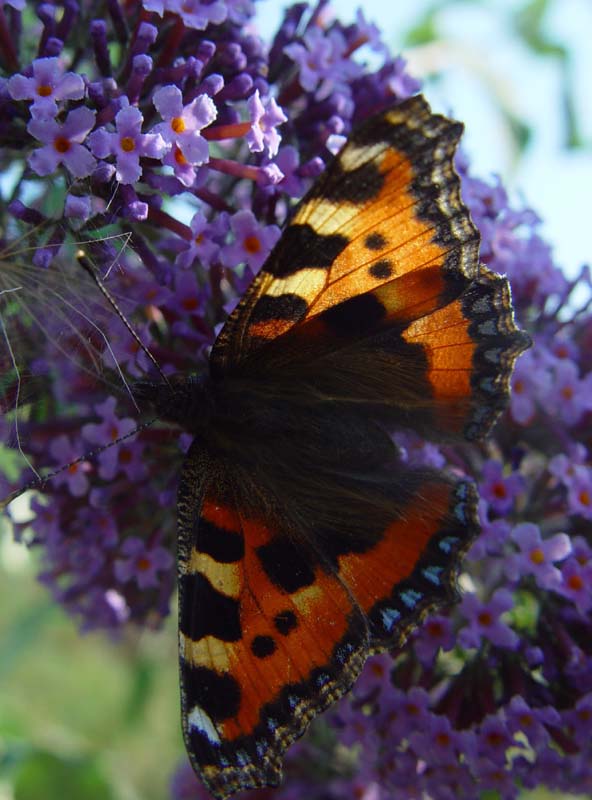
(305, 545)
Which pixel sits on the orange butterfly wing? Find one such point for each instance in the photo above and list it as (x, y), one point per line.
(383, 252)
(271, 634)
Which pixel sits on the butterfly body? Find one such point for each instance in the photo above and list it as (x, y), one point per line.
(305, 543)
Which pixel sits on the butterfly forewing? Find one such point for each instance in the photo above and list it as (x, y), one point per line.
(388, 204)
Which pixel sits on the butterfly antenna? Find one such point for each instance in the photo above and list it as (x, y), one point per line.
(87, 266)
(41, 480)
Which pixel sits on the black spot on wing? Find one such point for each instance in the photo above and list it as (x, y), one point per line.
(357, 185)
(301, 246)
(219, 695)
(375, 241)
(355, 316)
(428, 141)
(222, 545)
(285, 622)
(285, 566)
(206, 612)
(381, 269)
(263, 646)
(284, 306)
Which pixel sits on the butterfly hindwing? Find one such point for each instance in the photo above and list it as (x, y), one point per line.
(272, 633)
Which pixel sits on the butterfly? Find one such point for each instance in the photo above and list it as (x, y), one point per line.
(305, 544)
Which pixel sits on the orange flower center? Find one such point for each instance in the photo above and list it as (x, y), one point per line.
(584, 497)
(125, 456)
(61, 144)
(567, 392)
(537, 556)
(180, 158)
(178, 124)
(44, 90)
(143, 564)
(252, 244)
(485, 618)
(499, 491)
(127, 144)
(190, 304)
(575, 583)
(518, 387)
(443, 739)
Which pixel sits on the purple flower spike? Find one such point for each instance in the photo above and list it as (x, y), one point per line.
(63, 143)
(48, 86)
(128, 145)
(142, 563)
(536, 555)
(265, 116)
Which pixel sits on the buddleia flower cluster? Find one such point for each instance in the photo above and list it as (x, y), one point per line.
(167, 142)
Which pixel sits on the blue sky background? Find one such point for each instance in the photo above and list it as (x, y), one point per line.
(486, 70)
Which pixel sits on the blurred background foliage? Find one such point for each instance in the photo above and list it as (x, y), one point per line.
(81, 716)
(528, 23)
(88, 718)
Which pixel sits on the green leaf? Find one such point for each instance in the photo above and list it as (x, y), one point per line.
(529, 25)
(141, 689)
(11, 463)
(424, 32)
(521, 132)
(22, 634)
(45, 776)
